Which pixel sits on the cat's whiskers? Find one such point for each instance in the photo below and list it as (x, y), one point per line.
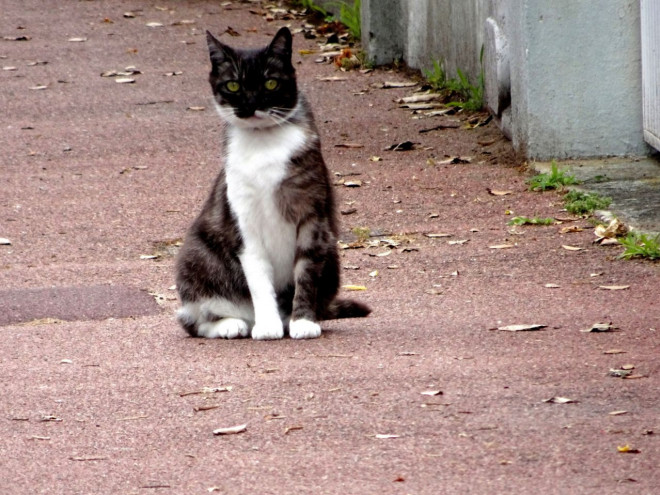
(280, 115)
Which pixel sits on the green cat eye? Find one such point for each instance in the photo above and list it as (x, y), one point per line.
(232, 86)
(271, 84)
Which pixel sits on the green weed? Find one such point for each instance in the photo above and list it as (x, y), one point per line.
(583, 203)
(531, 221)
(639, 245)
(437, 77)
(362, 233)
(468, 96)
(311, 7)
(349, 16)
(556, 179)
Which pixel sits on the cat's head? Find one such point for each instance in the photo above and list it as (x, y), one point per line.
(254, 88)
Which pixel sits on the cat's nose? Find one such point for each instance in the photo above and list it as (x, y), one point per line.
(245, 113)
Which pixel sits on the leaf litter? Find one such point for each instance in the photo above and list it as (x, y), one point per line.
(230, 430)
(599, 327)
(560, 400)
(522, 327)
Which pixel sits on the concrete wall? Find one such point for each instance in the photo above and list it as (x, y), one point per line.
(563, 77)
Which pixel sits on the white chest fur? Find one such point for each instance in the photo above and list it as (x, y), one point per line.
(256, 164)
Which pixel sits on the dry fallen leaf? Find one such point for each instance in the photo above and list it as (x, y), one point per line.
(292, 428)
(333, 78)
(572, 248)
(124, 80)
(154, 24)
(418, 98)
(496, 192)
(230, 430)
(385, 436)
(354, 287)
(614, 287)
(4, 241)
(614, 351)
(436, 236)
(560, 400)
(396, 84)
(207, 390)
(615, 229)
(353, 183)
(599, 327)
(501, 246)
(432, 392)
(522, 327)
(77, 40)
(617, 413)
(458, 242)
(620, 373)
(627, 449)
(403, 146)
(552, 286)
(16, 38)
(349, 145)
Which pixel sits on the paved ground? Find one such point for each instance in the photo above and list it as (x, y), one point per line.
(103, 393)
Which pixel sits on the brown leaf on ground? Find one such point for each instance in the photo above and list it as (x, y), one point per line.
(560, 400)
(398, 84)
(522, 327)
(402, 146)
(498, 192)
(599, 327)
(230, 430)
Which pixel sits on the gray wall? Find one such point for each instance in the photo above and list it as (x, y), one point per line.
(564, 79)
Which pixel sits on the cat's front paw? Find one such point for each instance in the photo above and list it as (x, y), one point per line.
(226, 328)
(304, 329)
(268, 331)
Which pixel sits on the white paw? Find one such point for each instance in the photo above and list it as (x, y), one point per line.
(268, 331)
(304, 329)
(227, 328)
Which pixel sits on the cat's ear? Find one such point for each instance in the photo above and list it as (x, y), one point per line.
(217, 51)
(282, 43)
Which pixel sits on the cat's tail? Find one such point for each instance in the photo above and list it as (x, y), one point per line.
(345, 308)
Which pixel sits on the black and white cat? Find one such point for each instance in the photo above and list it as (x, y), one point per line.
(262, 254)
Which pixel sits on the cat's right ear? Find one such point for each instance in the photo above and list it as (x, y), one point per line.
(217, 51)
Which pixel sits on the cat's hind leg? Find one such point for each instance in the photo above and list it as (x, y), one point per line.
(216, 318)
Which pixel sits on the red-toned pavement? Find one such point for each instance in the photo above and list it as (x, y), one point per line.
(103, 393)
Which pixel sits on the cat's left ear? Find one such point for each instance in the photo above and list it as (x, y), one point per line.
(282, 43)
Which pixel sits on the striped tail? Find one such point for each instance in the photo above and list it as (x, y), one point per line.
(345, 308)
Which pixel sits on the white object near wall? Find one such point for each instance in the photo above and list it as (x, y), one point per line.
(650, 20)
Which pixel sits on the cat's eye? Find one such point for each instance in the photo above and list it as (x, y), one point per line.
(271, 84)
(232, 86)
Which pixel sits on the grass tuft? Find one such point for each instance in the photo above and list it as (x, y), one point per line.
(350, 17)
(531, 221)
(556, 179)
(467, 96)
(639, 245)
(582, 203)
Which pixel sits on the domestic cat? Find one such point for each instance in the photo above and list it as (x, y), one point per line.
(262, 254)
